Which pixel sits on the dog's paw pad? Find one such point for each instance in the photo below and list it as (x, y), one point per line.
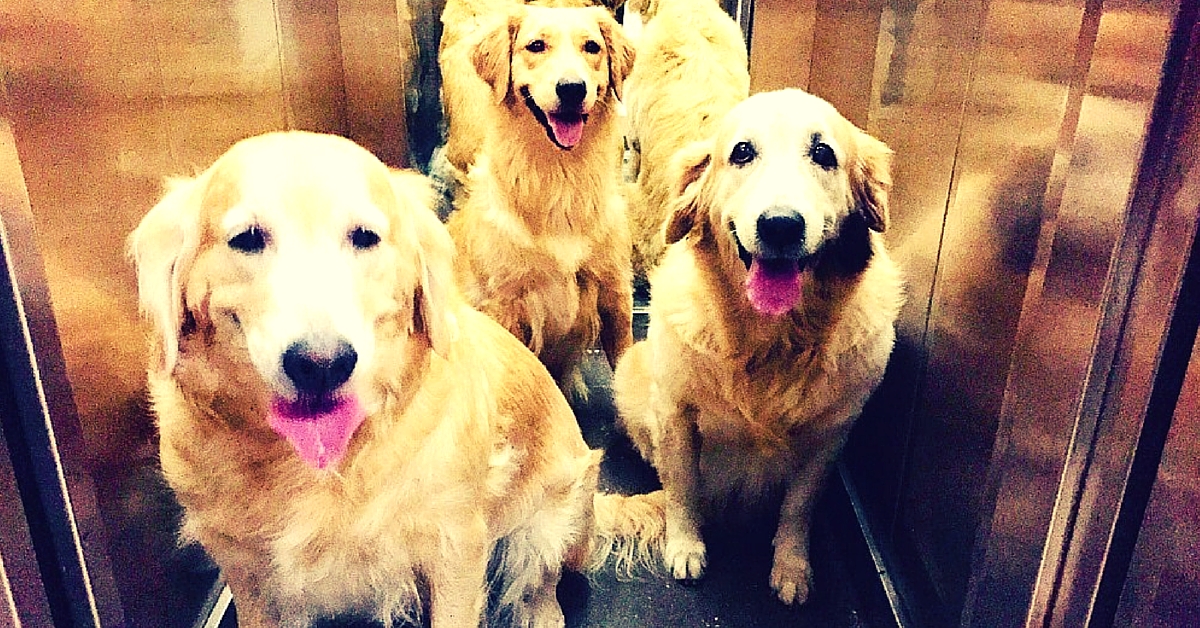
(685, 559)
(791, 578)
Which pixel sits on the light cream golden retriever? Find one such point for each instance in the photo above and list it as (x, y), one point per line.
(691, 70)
(771, 323)
(344, 433)
(543, 244)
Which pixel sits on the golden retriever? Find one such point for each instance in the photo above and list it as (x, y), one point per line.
(344, 433)
(543, 244)
(691, 70)
(464, 23)
(771, 323)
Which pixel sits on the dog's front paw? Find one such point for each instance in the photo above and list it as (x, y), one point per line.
(791, 577)
(685, 558)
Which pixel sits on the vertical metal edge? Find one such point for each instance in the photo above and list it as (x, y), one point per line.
(1154, 327)
(10, 616)
(216, 605)
(23, 594)
(883, 564)
(743, 14)
(55, 486)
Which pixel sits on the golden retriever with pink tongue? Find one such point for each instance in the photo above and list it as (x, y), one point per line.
(345, 434)
(542, 238)
(771, 323)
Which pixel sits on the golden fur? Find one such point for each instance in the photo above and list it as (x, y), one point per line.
(543, 246)
(468, 451)
(730, 404)
(691, 70)
(464, 23)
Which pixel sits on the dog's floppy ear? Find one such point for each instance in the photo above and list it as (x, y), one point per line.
(621, 52)
(435, 254)
(492, 55)
(163, 247)
(687, 170)
(871, 179)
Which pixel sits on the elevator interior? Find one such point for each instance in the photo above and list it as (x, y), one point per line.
(1029, 459)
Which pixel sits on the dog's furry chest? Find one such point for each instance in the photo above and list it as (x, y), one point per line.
(557, 244)
(757, 427)
(756, 413)
(329, 576)
(316, 546)
(537, 268)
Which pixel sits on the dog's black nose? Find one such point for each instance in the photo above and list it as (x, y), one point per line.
(570, 94)
(318, 372)
(780, 229)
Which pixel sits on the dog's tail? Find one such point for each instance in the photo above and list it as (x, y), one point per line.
(630, 531)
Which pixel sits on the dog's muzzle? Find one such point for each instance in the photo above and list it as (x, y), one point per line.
(564, 125)
(775, 268)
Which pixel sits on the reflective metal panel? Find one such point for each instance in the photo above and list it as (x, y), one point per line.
(1150, 313)
(378, 56)
(41, 428)
(923, 66)
(1163, 583)
(106, 100)
(996, 209)
(1068, 332)
(781, 43)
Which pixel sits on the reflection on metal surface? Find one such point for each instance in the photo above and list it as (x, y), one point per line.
(40, 423)
(1151, 321)
(780, 43)
(22, 596)
(1163, 583)
(1040, 234)
(214, 614)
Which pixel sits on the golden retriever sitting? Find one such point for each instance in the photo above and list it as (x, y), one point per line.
(464, 23)
(344, 433)
(542, 237)
(691, 70)
(771, 323)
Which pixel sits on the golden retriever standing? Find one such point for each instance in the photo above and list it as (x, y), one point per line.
(344, 433)
(691, 70)
(771, 323)
(542, 239)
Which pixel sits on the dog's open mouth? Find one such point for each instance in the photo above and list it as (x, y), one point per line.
(564, 128)
(774, 286)
(319, 429)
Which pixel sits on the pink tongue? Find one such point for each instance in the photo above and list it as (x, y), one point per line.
(319, 436)
(773, 288)
(567, 130)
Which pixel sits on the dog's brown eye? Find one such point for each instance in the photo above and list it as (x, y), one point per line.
(822, 154)
(252, 240)
(742, 154)
(591, 47)
(536, 46)
(363, 238)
